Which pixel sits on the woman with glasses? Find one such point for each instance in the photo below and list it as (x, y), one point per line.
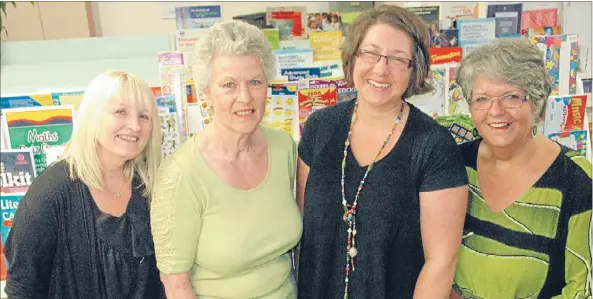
(527, 231)
(382, 185)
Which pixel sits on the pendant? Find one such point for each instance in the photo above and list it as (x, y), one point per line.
(118, 194)
(353, 252)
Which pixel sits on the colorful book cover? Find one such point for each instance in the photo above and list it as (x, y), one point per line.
(576, 140)
(561, 59)
(281, 108)
(508, 17)
(195, 17)
(273, 35)
(445, 55)
(538, 17)
(430, 15)
(459, 10)
(433, 103)
(17, 170)
(345, 93)
(297, 74)
(9, 203)
(461, 127)
(185, 40)
(35, 100)
(68, 98)
(326, 45)
(326, 22)
(565, 113)
(169, 122)
(476, 31)
(445, 38)
(172, 77)
(192, 95)
(286, 59)
(544, 30)
(290, 21)
(314, 95)
(256, 19)
(39, 128)
(456, 103)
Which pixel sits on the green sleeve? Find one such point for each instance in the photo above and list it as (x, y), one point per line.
(578, 243)
(175, 217)
(578, 258)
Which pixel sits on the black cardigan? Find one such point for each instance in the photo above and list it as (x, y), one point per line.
(51, 248)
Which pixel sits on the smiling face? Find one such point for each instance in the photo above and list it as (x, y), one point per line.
(379, 83)
(501, 127)
(237, 92)
(124, 131)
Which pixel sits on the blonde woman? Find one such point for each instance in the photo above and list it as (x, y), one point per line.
(83, 230)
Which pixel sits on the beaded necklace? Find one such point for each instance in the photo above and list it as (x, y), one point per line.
(350, 210)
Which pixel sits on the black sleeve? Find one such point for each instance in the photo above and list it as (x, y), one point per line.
(31, 244)
(306, 145)
(443, 165)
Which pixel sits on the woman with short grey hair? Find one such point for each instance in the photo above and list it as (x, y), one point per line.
(224, 217)
(528, 222)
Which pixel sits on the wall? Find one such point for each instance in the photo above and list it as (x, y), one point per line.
(132, 18)
(48, 20)
(71, 63)
(137, 31)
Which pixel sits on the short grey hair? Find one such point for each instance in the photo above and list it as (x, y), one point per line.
(514, 61)
(231, 37)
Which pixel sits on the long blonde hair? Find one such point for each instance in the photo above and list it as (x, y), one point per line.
(81, 151)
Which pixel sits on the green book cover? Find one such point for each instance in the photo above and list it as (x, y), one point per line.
(273, 35)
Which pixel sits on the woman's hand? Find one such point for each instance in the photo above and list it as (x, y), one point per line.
(177, 286)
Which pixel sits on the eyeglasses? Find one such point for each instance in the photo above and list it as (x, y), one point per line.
(394, 62)
(508, 101)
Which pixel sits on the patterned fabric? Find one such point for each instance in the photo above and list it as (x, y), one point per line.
(539, 246)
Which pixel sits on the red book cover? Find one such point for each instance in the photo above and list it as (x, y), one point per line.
(445, 55)
(319, 94)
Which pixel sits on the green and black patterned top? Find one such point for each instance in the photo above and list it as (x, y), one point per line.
(539, 246)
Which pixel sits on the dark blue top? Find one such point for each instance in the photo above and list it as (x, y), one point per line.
(390, 255)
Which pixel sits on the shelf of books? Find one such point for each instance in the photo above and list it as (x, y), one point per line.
(35, 127)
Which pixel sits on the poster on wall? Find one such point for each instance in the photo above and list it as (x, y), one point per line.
(39, 128)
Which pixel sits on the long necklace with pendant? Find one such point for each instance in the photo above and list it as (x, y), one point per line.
(350, 211)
